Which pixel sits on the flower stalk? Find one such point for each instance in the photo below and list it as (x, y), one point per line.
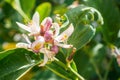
(66, 67)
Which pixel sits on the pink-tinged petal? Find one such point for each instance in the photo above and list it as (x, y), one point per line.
(55, 49)
(64, 45)
(23, 45)
(35, 30)
(24, 27)
(48, 36)
(69, 30)
(35, 18)
(45, 60)
(116, 51)
(57, 29)
(26, 38)
(64, 35)
(38, 44)
(118, 60)
(46, 24)
(49, 54)
(43, 50)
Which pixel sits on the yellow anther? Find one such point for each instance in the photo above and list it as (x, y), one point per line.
(30, 23)
(37, 46)
(64, 37)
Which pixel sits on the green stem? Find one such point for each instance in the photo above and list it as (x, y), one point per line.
(61, 75)
(60, 63)
(75, 73)
(106, 74)
(69, 68)
(97, 70)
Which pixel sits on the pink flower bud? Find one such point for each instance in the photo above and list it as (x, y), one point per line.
(48, 36)
(55, 49)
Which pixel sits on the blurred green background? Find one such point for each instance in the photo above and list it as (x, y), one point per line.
(95, 60)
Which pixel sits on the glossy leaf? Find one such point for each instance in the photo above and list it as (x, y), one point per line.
(27, 6)
(83, 32)
(111, 14)
(84, 28)
(40, 73)
(13, 63)
(61, 71)
(44, 10)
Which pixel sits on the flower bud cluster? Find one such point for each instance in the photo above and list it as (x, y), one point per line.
(47, 37)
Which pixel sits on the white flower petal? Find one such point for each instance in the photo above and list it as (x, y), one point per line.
(24, 27)
(38, 44)
(64, 45)
(26, 38)
(49, 54)
(34, 28)
(57, 29)
(64, 35)
(69, 30)
(35, 18)
(42, 50)
(45, 60)
(22, 45)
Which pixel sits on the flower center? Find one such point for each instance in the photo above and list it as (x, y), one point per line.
(64, 37)
(37, 47)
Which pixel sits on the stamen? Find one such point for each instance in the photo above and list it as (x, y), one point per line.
(30, 23)
(64, 37)
(37, 46)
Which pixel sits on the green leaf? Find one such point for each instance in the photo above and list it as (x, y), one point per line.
(83, 64)
(14, 63)
(27, 6)
(44, 10)
(61, 71)
(36, 73)
(83, 33)
(2, 55)
(60, 9)
(111, 14)
(81, 36)
(90, 60)
(83, 19)
(17, 6)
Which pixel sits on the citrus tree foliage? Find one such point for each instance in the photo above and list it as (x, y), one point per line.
(96, 37)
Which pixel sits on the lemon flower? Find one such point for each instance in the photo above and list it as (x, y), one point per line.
(34, 46)
(34, 28)
(61, 39)
(58, 40)
(47, 37)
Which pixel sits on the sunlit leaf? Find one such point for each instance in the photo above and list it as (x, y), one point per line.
(13, 63)
(84, 28)
(40, 73)
(27, 5)
(61, 71)
(44, 10)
